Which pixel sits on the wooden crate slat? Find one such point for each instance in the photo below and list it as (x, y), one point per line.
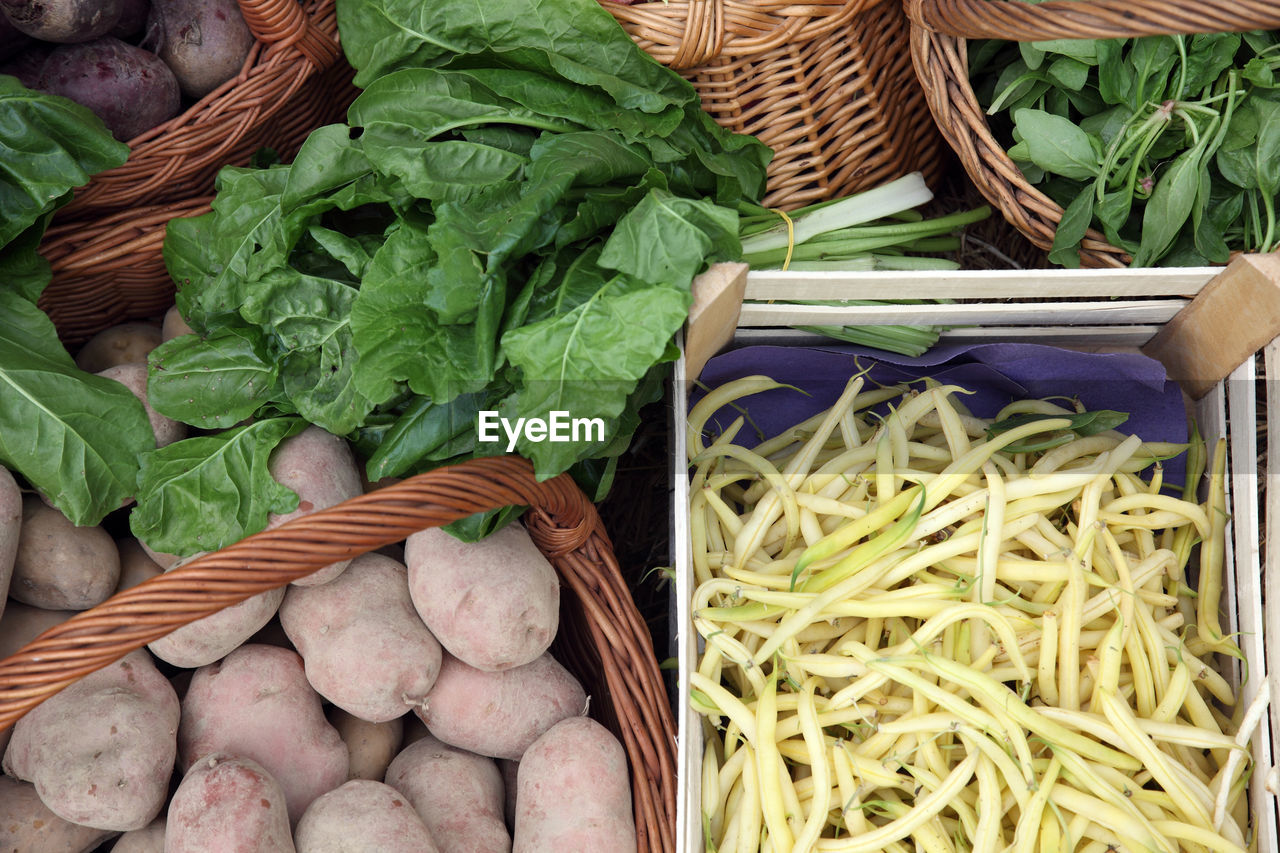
(966, 284)
(1030, 314)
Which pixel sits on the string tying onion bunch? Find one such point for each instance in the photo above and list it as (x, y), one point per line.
(929, 631)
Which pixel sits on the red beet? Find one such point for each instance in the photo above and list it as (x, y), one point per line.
(63, 21)
(129, 88)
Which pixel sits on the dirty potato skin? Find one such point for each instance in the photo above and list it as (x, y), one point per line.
(60, 566)
(101, 751)
(363, 816)
(26, 824)
(499, 714)
(231, 803)
(364, 646)
(256, 702)
(459, 795)
(573, 792)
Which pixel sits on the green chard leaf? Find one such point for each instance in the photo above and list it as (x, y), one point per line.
(574, 39)
(49, 145)
(211, 381)
(204, 493)
(74, 436)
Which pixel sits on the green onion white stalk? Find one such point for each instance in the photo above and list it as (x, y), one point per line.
(878, 229)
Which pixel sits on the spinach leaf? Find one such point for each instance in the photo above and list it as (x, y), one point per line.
(204, 493)
(1071, 230)
(74, 436)
(1170, 206)
(1057, 144)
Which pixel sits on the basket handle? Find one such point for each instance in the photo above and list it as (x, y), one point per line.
(283, 23)
(560, 520)
(1021, 21)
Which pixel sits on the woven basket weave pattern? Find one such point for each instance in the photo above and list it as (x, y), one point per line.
(826, 85)
(603, 640)
(938, 48)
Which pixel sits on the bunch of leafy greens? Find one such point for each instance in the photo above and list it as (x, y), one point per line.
(1170, 145)
(509, 220)
(74, 436)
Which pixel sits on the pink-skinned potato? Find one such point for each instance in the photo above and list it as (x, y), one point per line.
(574, 792)
(133, 375)
(499, 714)
(228, 804)
(101, 751)
(493, 604)
(149, 839)
(210, 638)
(256, 703)
(59, 566)
(363, 816)
(21, 624)
(458, 794)
(364, 646)
(127, 87)
(321, 468)
(27, 825)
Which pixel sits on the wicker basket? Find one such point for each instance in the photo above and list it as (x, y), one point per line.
(939, 29)
(110, 270)
(826, 84)
(281, 93)
(602, 639)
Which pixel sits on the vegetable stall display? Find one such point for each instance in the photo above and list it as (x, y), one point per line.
(928, 630)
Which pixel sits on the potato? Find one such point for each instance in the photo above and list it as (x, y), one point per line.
(20, 625)
(62, 20)
(500, 713)
(458, 795)
(127, 87)
(136, 564)
(133, 375)
(173, 325)
(322, 470)
(101, 751)
(149, 839)
(205, 42)
(257, 703)
(27, 825)
(210, 638)
(364, 646)
(228, 803)
(370, 746)
(493, 604)
(59, 566)
(124, 343)
(362, 816)
(574, 792)
(10, 530)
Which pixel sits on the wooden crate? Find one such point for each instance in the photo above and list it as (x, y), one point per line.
(1174, 313)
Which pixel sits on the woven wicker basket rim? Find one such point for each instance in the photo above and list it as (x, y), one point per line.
(561, 521)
